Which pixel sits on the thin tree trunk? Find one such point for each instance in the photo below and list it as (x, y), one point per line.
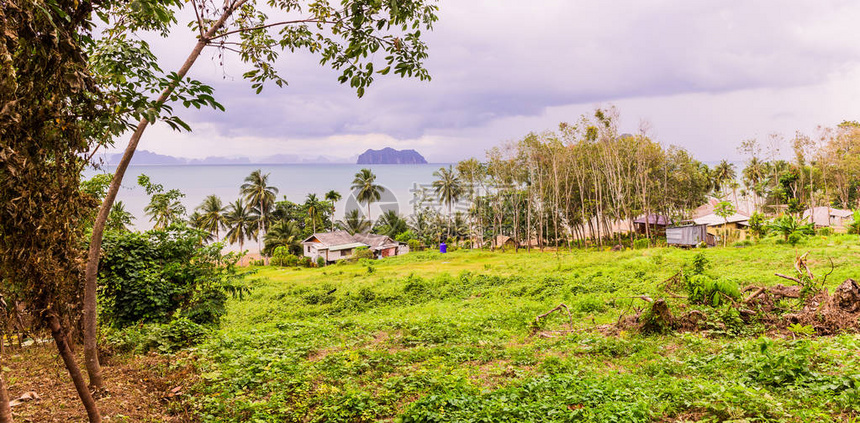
(5, 410)
(529, 217)
(91, 358)
(74, 371)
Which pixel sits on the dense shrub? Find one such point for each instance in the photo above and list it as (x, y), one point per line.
(361, 253)
(641, 244)
(165, 338)
(282, 257)
(790, 228)
(414, 245)
(152, 276)
(406, 236)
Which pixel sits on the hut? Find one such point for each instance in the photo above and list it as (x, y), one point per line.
(656, 223)
(838, 219)
(504, 242)
(689, 236)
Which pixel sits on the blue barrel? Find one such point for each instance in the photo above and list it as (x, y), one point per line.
(443, 248)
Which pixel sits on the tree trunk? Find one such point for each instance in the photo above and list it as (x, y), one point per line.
(91, 358)
(262, 230)
(5, 410)
(74, 371)
(529, 218)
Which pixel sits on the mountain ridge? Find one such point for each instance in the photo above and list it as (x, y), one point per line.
(148, 158)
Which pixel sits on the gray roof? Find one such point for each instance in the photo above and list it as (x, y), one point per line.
(714, 220)
(341, 240)
(376, 241)
(821, 215)
(653, 219)
(331, 239)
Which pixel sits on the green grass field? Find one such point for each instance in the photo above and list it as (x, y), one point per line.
(432, 337)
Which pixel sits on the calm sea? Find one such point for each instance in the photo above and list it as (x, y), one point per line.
(295, 181)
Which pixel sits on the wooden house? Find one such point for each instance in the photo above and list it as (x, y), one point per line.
(655, 223)
(734, 227)
(339, 245)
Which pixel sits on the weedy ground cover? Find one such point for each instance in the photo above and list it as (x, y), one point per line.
(432, 337)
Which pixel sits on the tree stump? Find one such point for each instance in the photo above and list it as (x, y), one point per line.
(847, 296)
(658, 319)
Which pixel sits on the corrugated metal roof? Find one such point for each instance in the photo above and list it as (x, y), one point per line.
(713, 219)
(373, 240)
(654, 219)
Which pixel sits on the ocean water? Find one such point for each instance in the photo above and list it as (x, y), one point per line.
(294, 181)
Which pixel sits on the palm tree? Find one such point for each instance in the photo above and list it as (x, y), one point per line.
(283, 234)
(368, 191)
(333, 197)
(353, 222)
(391, 224)
(119, 218)
(721, 174)
(212, 215)
(312, 204)
(240, 222)
(165, 208)
(448, 188)
(420, 224)
(257, 191)
(195, 220)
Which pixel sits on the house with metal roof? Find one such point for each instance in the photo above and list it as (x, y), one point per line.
(339, 245)
(837, 219)
(734, 227)
(689, 236)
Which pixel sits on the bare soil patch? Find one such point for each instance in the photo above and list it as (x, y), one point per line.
(137, 390)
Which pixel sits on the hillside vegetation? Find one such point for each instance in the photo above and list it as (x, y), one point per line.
(432, 337)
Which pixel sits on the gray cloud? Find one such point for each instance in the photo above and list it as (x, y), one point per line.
(493, 60)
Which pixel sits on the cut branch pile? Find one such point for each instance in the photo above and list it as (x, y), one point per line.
(827, 314)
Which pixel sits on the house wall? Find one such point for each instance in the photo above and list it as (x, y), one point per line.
(688, 235)
(735, 232)
(340, 255)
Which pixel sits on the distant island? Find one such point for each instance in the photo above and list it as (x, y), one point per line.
(389, 155)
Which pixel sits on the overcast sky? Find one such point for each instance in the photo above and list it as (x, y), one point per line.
(705, 75)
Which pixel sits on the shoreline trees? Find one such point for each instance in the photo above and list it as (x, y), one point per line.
(366, 189)
(344, 39)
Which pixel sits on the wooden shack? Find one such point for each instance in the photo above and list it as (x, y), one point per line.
(689, 236)
(654, 223)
